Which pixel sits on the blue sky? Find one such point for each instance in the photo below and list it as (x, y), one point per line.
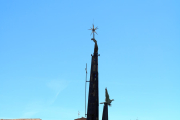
(45, 45)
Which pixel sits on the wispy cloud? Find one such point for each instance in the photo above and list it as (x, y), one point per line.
(36, 107)
(57, 86)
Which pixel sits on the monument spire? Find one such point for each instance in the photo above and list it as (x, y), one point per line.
(93, 98)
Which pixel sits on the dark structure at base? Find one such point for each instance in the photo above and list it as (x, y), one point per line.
(93, 100)
(105, 112)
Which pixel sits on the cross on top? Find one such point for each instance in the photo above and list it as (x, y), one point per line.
(93, 30)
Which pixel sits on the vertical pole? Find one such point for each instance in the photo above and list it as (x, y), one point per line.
(85, 89)
(85, 98)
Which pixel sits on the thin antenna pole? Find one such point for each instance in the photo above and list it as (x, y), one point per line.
(85, 89)
(93, 27)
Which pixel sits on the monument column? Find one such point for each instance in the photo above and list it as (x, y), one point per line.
(93, 98)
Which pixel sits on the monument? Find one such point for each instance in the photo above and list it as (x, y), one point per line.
(106, 103)
(93, 98)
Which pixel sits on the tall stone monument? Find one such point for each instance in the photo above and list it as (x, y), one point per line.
(93, 98)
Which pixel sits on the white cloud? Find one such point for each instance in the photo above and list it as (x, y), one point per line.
(57, 86)
(40, 106)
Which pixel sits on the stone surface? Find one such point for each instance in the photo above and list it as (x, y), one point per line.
(80, 118)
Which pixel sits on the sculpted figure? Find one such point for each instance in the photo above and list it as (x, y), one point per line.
(107, 99)
(96, 46)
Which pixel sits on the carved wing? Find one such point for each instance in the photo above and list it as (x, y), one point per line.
(107, 96)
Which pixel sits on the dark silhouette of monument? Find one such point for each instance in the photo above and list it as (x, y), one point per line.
(106, 103)
(105, 112)
(93, 98)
